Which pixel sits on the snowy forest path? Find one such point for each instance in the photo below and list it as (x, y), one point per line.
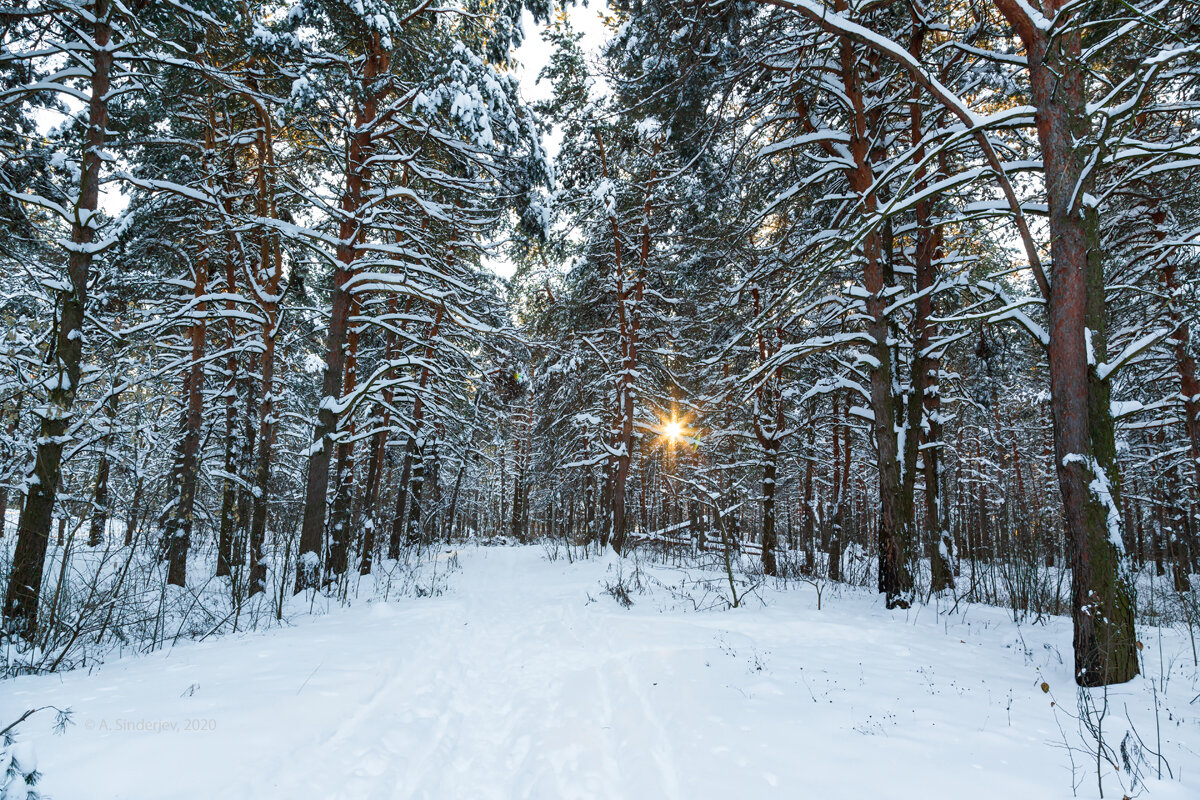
(511, 693)
(525, 680)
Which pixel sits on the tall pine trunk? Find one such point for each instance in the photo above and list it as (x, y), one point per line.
(337, 558)
(381, 414)
(100, 501)
(924, 424)
(1084, 444)
(179, 528)
(350, 231)
(894, 579)
(29, 557)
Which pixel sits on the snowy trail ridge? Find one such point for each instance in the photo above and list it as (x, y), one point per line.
(515, 684)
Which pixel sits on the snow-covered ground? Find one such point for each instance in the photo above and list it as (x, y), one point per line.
(525, 679)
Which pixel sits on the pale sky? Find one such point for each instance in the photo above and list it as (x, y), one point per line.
(531, 57)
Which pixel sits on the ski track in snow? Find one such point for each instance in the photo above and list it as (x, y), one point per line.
(514, 685)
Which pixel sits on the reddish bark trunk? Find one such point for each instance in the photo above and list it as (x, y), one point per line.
(894, 579)
(1084, 447)
(25, 580)
(337, 557)
(179, 529)
(349, 232)
(924, 423)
